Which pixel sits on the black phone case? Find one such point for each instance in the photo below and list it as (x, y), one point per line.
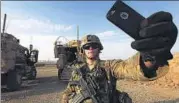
(125, 18)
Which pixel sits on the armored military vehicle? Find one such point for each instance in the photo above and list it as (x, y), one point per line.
(67, 53)
(17, 61)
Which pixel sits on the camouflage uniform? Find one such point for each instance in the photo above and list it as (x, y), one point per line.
(131, 68)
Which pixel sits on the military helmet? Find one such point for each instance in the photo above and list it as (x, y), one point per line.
(91, 39)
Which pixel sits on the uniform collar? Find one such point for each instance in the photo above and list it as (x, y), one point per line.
(94, 65)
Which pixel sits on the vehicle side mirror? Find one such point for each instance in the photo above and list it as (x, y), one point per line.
(34, 56)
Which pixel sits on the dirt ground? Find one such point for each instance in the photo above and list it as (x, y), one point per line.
(47, 88)
(162, 90)
(141, 92)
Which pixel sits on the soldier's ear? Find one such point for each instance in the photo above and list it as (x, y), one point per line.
(83, 52)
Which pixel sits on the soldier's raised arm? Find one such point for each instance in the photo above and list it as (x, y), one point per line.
(134, 68)
(158, 35)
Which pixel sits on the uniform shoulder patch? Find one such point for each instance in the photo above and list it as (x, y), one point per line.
(77, 65)
(102, 63)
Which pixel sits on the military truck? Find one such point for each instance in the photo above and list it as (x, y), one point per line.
(67, 53)
(17, 61)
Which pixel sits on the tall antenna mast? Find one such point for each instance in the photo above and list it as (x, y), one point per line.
(78, 44)
(78, 35)
(4, 24)
(30, 46)
(31, 39)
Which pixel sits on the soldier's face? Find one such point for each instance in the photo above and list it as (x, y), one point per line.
(91, 51)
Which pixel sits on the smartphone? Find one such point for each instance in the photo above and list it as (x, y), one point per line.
(125, 18)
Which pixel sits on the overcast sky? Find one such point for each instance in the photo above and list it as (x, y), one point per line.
(41, 22)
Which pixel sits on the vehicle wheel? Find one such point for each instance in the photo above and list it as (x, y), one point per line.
(33, 74)
(59, 73)
(3, 79)
(14, 80)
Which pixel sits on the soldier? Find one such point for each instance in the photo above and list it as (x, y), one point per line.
(158, 34)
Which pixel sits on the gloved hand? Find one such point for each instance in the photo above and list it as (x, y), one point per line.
(158, 35)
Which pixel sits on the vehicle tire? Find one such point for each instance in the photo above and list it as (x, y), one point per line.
(33, 74)
(59, 73)
(3, 79)
(14, 80)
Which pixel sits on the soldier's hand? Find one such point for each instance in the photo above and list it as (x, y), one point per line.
(158, 35)
(64, 99)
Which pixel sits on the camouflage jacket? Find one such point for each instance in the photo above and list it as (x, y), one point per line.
(127, 69)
